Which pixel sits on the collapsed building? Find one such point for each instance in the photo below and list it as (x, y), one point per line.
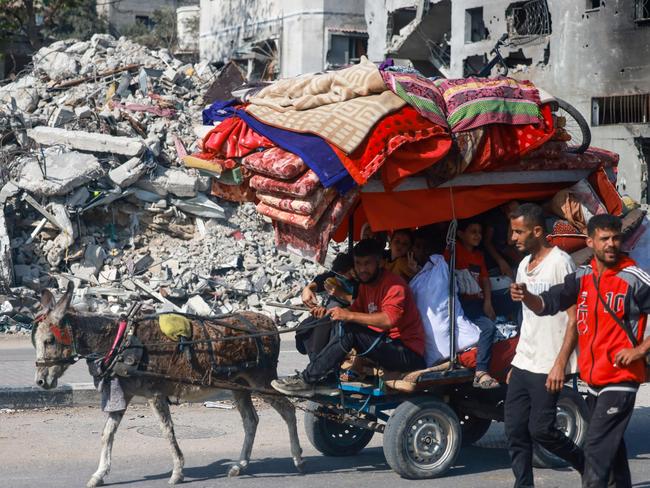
(93, 190)
(594, 54)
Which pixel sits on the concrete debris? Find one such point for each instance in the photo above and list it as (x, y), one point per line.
(6, 267)
(86, 141)
(58, 173)
(128, 173)
(94, 191)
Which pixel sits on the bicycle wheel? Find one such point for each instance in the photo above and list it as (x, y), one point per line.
(576, 126)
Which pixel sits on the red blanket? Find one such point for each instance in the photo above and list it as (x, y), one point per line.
(404, 131)
(232, 138)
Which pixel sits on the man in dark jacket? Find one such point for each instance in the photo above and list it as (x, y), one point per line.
(612, 296)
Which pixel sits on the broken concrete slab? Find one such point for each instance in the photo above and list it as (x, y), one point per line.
(9, 190)
(23, 91)
(83, 112)
(61, 116)
(93, 261)
(196, 305)
(86, 141)
(65, 172)
(6, 266)
(170, 180)
(128, 173)
(56, 65)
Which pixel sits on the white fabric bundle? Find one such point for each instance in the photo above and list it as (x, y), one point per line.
(431, 289)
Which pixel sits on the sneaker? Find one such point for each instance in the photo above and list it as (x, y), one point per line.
(296, 386)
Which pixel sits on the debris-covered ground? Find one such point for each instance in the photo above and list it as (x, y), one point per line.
(94, 191)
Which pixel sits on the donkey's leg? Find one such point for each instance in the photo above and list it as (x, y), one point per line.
(108, 435)
(287, 411)
(160, 407)
(250, 420)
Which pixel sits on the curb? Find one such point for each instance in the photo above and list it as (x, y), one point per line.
(67, 395)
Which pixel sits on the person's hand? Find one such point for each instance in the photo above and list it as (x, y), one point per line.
(309, 298)
(505, 269)
(333, 288)
(338, 313)
(318, 312)
(508, 376)
(412, 263)
(556, 378)
(518, 292)
(625, 357)
(488, 310)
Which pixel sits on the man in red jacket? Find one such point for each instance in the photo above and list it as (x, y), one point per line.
(612, 296)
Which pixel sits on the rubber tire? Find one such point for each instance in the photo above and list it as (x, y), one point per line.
(582, 123)
(398, 427)
(570, 401)
(473, 428)
(320, 432)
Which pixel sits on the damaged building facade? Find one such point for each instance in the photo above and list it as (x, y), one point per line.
(594, 54)
(273, 38)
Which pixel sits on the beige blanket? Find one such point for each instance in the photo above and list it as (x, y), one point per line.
(310, 91)
(344, 124)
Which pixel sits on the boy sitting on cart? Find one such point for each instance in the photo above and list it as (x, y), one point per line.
(383, 324)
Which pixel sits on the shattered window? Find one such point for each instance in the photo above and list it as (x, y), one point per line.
(620, 109)
(530, 18)
(642, 11)
(474, 26)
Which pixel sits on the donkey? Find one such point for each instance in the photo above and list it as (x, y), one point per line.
(62, 335)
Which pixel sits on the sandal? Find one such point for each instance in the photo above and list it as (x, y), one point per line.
(488, 383)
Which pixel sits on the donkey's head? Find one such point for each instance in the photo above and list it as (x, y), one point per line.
(53, 339)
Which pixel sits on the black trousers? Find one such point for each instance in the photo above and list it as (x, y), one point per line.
(606, 462)
(530, 416)
(390, 354)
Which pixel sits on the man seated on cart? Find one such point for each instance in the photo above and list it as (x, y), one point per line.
(383, 324)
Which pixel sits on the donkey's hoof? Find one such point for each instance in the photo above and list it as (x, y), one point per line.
(235, 470)
(300, 466)
(94, 481)
(176, 478)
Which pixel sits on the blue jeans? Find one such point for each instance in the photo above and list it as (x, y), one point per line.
(474, 311)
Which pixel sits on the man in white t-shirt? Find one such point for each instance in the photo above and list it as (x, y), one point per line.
(545, 353)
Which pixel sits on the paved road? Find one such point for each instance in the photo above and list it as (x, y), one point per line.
(59, 448)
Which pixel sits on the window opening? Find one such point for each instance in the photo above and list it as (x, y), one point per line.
(526, 19)
(642, 11)
(474, 26)
(346, 49)
(620, 109)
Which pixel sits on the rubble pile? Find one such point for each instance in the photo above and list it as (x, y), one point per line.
(93, 191)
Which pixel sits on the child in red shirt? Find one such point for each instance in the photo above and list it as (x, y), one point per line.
(476, 295)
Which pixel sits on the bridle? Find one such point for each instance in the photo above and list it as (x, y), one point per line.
(62, 335)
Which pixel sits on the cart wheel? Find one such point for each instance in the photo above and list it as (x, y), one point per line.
(571, 418)
(332, 438)
(422, 439)
(473, 428)
(576, 126)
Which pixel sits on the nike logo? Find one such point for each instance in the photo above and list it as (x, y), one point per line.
(612, 411)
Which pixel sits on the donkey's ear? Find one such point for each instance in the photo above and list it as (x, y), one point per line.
(47, 300)
(61, 307)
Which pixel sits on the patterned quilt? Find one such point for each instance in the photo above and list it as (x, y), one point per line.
(344, 124)
(300, 187)
(310, 91)
(276, 163)
(474, 102)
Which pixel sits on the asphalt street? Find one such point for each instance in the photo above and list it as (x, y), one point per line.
(60, 448)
